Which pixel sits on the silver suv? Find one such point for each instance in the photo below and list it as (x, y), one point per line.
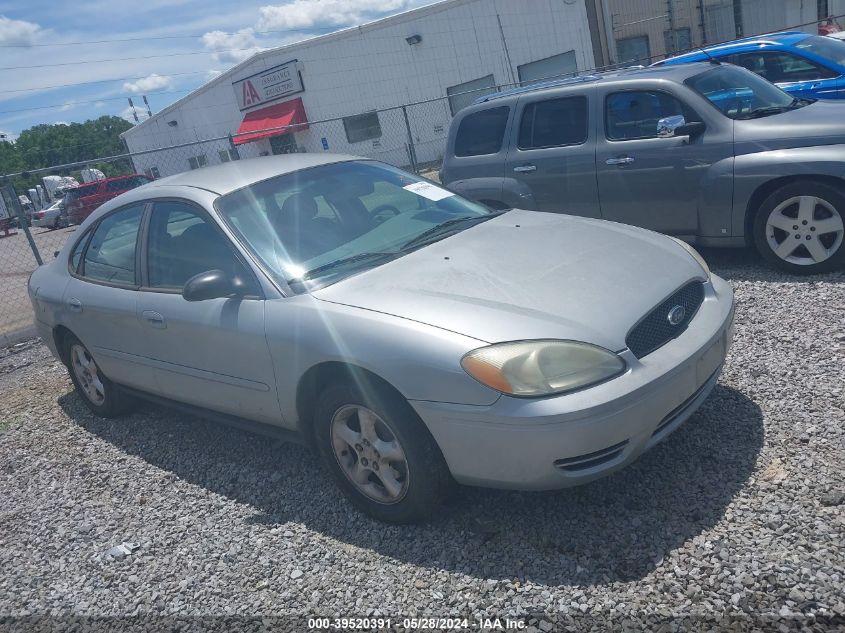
(708, 152)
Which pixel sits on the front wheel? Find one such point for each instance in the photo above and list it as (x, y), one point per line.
(800, 228)
(380, 453)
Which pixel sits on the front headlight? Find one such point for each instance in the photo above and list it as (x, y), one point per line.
(695, 254)
(541, 368)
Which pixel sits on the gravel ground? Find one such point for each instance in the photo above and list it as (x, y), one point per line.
(735, 522)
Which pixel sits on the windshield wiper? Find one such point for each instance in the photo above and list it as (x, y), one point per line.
(345, 261)
(757, 113)
(443, 229)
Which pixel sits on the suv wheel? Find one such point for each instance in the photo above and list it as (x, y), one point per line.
(800, 228)
(380, 453)
(99, 394)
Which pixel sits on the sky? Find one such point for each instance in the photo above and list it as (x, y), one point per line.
(59, 62)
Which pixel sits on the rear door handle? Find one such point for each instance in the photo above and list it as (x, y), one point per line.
(155, 319)
(620, 160)
(524, 169)
(74, 304)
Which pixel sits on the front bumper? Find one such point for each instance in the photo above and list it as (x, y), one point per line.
(566, 440)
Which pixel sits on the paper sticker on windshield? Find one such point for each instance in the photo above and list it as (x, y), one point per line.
(427, 190)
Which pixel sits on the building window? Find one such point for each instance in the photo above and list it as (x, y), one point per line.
(677, 40)
(228, 154)
(631, 50)
(548, 68)
(482, 133)
(153, 173)
(465, 94)
(362, 127)
(196, 162)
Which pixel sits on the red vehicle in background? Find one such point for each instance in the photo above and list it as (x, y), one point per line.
(81, 201)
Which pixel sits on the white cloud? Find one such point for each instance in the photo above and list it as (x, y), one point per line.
(231, 47)
(60, 123)
(148, 84)
(18, 32)
(126, 113)
(301, 14)
(10, 137)
(99, 104)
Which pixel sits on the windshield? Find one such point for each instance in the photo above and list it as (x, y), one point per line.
(826, 47)
(740, 94)
(320, 224)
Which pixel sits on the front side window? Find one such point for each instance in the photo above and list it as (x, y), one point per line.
(182, 243)
(553, 123)
(635, 114)
(482, 132)
(315, 225)
(362, 127)
(740, 94)
(783, 67)
(110, 256)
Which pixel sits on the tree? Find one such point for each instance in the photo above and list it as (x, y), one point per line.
(45, 145)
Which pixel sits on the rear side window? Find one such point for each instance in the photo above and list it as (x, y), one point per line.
(110, 255)
(482, 132)
(117, 185)
(80, 192)
(76, 255)
(554, 123)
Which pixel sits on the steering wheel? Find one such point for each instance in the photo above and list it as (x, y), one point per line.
(379, 213)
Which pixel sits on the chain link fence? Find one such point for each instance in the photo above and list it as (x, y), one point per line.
(411, 136)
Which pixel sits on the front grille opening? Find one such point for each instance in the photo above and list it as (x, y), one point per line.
(591, 460)
(655, 329)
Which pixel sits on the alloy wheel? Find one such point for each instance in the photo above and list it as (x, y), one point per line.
(804, 230)
(369, 454)
(88, 374)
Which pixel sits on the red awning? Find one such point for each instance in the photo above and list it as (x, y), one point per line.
(272, 121)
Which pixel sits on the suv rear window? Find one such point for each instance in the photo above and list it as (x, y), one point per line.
(482, 132)
(553, 123)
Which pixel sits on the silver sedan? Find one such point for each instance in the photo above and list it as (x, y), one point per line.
(414, 338)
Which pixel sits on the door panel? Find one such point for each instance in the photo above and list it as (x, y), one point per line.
(553, 155)
(656, 183)
(208, 353)
(100, 303)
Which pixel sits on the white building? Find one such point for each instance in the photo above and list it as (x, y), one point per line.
(344, 84)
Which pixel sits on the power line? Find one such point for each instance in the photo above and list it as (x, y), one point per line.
(103, 81)
(128, 59)
(73, 103)
(168, 37)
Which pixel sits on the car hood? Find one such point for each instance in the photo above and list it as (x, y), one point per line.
(528, 275)
(820, 123)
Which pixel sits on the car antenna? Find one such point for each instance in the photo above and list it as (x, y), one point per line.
(709, 57)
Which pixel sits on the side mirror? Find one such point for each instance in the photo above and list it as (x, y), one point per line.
(691, 129)
(212, 284)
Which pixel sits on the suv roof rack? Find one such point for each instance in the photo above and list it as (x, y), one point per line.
(554, 83)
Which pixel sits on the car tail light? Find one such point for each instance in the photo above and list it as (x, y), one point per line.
(39, 215)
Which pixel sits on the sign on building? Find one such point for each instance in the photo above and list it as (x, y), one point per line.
(268, 85)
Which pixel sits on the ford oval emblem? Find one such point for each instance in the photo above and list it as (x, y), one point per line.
(676, 315)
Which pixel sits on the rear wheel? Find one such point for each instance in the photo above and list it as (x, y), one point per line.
(800, 228)
(380, 453)
(99, 394)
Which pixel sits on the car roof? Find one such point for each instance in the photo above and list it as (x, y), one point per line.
(677, 73)
(785, 39)
(102, 180)
(230, 176)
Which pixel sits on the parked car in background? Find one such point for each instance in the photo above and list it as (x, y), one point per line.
(710, 153)
(52, 217)
(411, 336)
(803, 65)
(81, 201)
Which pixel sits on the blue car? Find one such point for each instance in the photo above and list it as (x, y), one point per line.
(804, 65)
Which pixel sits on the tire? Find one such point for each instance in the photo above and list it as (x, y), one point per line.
(800, 228)
(396, 486)
(100, 395)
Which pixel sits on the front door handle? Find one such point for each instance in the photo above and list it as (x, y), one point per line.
(524, 169)
(620, 160)
(74, 304)
(155, 319)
